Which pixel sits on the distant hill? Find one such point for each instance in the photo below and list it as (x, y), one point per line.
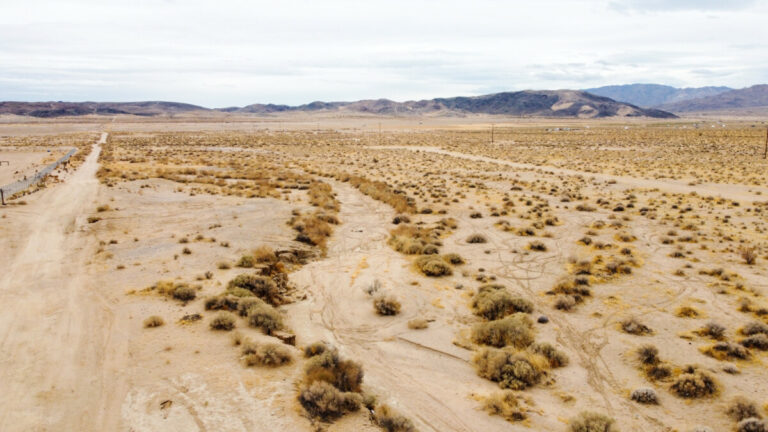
(529, 103)
(654, 95)
(59, 109)
(750, 97)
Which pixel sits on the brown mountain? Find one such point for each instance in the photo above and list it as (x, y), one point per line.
(750, 97)
(59, 109)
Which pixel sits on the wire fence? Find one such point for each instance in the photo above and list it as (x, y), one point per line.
(12, 189)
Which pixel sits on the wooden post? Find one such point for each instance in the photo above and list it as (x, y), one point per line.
(491, 133)
(2, 196)
(765, 152)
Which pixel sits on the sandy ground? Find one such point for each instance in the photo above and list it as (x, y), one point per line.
(23, 163)
(75, 355)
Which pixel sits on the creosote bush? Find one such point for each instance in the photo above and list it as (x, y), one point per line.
(261, 286)
(741, 408)
(694, 384)
(267, 354)
(507, 404)
(325, 401)
(493, 302)
(331, 385)
(434, 266)
(265, 317)
(511, 369)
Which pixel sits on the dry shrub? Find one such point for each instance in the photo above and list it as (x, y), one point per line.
(648, 354)
(741, 408)
(265, 317)
(264, 254)
(345, 375)
(494, 302)
(381, 191)
(313, 229)
(386, 305)
(412, 240)
(713, 330)
(751, 425)
(433, 266)
(757, 341)
(635, 327)
(392, 421)
(645, 396)
(514, 330)
(537, 246)
(418, 324)
(748, 254)
(476, 238)
(506, 404)
(592, 422)
(153, 321)
(261, 286)
(565, 302)
(754, 328)
(222, 302)
(726, 350)
(555, 357)
(223, 321)
(325, 401)
(687, 312)
(696, 384)
(453, 258)
(511, 369)
(269, 354)
(316, 348)
(246, 261)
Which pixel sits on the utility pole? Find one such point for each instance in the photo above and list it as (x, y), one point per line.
(491, 133)
(379, 133)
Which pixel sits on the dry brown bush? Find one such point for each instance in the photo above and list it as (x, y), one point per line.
(514, 330)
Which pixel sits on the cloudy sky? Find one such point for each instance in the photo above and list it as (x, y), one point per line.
(236, 52)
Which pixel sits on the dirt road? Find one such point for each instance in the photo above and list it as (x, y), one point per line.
(54, 327)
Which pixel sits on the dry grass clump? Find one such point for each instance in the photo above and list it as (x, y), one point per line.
(262, 287)
(751, 425)
(268, 354)
(537, 246)
(493, 301)
(757, 341)
(223, 321)
(331, 385)
(507, 404)
(712, 330)
(316, 348)
(514, 330)
(184, 293)
(321, 195)
(687, 312)
(413, 240)
(381, 191)
(453, 258)
(392, 421)
(645, 396)
(386, 305)
(748, 254)
(228, 302)
(654, 368)
(635, 327)
(754, 328)
(726, 350)
(592, 422)
(694, 384)
(433, 266)
(153, 321)
(178, 291)
(555, 357)
(264, 254)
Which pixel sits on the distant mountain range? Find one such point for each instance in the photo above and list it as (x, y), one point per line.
(529, 103)
(654, 95)
(750, 97)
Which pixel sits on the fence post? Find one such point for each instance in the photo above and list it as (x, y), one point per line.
(2, 196)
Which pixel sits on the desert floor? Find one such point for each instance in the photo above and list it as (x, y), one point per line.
(623, 235)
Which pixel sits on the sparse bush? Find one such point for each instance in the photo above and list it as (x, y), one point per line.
(713, 330)
(592, 422)
(494, 302)
(723, 350)
(645, 396)
(325, 401)
(511, 369)
(246, 261)
(264, 254)
(515, 330)
(537, 246)
(754, 328)
(751, 425)
(758, 341)
(392, 421)
(748, 254)
(269, 354)
(261, 286)
(386, 305)
(222, 302)
(345, 375)
(265, 317)
(316, 348)
(635, 327)
(184, 293)
(223, 321)
(153, 321)
(453, 258)
(648, 354)
(476, 238)
(696, 384)
(741, 408)
(565, 303)
(687, 312)
(555, 357)
(433, 266)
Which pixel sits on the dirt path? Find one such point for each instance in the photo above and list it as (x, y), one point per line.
(420, 372)
(728, 191)
(53, 329)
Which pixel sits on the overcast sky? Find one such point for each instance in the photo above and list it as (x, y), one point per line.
(231, 52)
